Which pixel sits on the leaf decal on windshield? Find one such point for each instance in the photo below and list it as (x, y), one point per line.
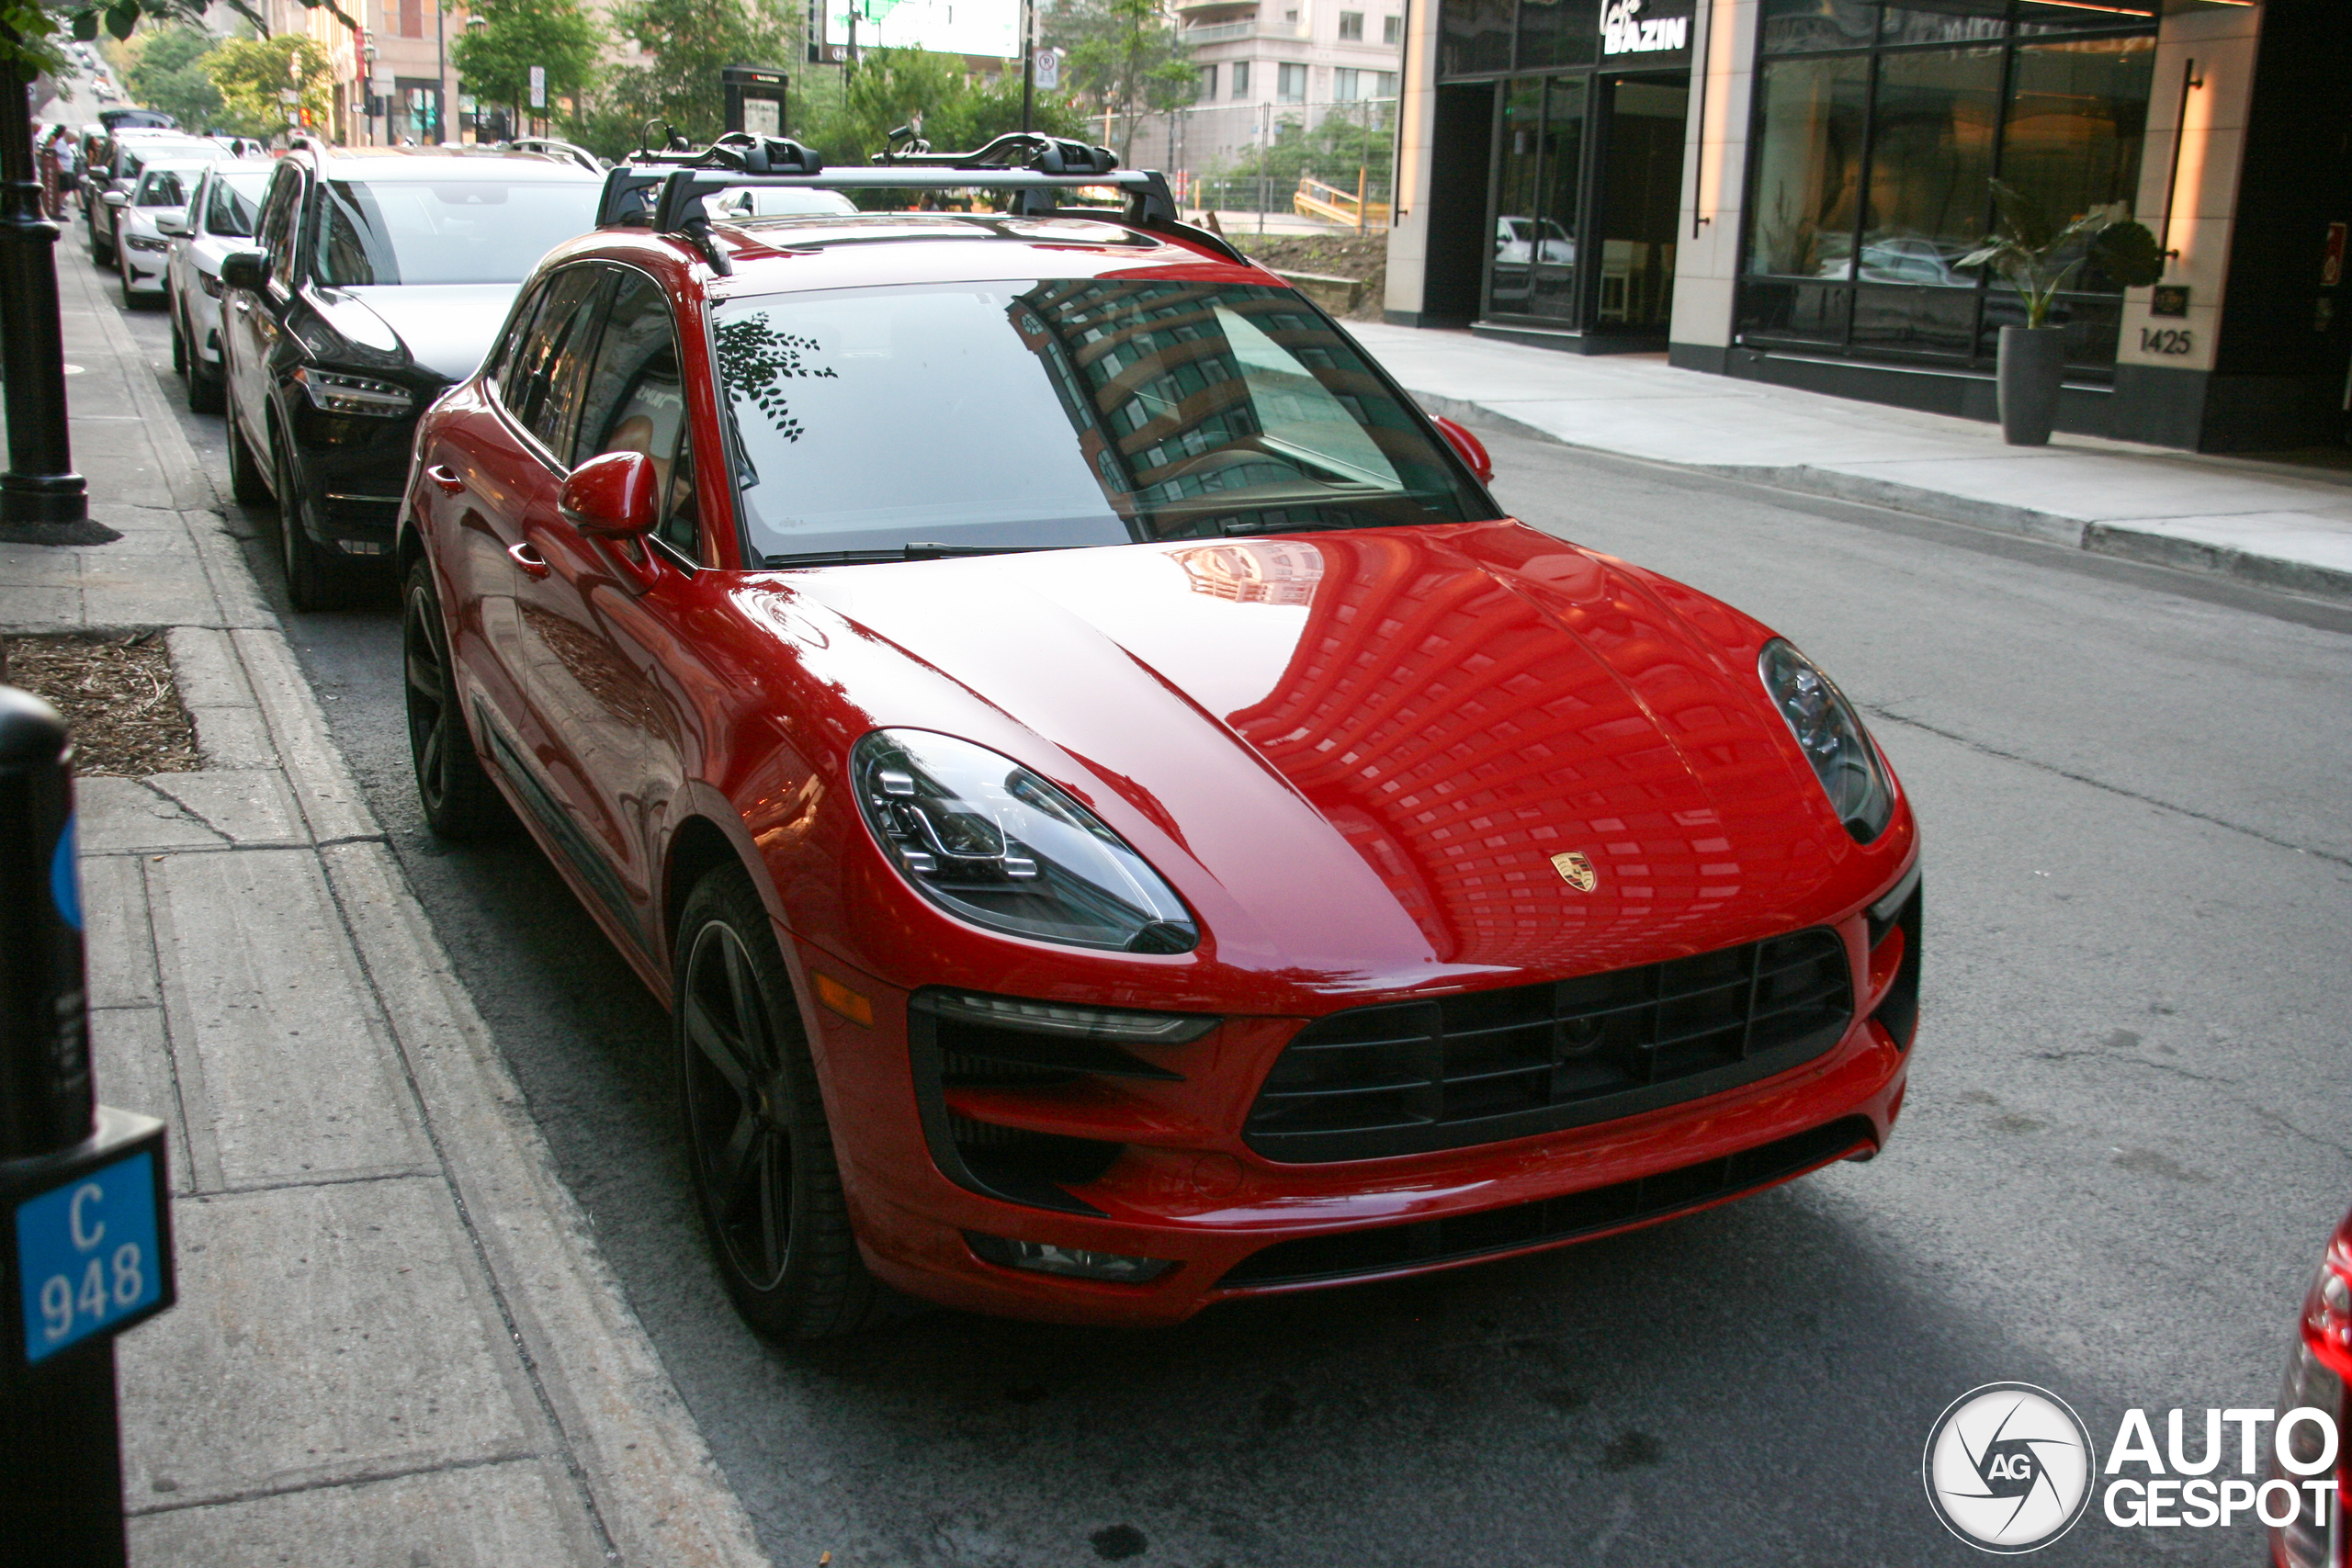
(756, 360)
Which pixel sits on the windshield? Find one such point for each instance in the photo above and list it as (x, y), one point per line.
(234, 203)
(164, 187)
(1068, 411)
(388, 232)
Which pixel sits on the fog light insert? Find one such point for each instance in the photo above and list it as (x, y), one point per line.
(1044, 1257)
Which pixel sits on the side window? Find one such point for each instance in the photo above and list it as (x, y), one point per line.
(507, 353)
(635, 402)
(277, 222)
(542, 386)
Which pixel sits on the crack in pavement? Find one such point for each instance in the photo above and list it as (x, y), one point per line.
(2188, 811)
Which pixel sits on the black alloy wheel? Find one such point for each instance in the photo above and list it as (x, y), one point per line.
(459, 801)
(246, 481)
(760, 1152)
(314, 580)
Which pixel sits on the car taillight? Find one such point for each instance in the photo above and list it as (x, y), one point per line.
(2319, 1370)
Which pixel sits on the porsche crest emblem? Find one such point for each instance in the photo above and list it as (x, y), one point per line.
(1576, 871)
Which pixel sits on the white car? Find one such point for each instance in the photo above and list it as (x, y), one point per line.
(219, 219)
(123, 157)
(146, 218)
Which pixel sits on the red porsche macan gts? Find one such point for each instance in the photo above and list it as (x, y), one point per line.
(1120, 818)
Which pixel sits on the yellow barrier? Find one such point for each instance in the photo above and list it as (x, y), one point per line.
(1315, 200)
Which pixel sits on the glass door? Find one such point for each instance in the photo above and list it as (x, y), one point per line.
(1539, 160)
(1639, 211)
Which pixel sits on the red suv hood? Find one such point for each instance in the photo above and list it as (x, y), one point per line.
(1358, 754)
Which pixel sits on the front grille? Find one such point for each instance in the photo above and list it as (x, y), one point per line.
(1392, 1248)
(1482, 1067)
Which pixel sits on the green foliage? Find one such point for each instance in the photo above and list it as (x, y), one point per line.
(167, 73)
(2035, 254)
(689, 41)
(891, 87)
(1125, 56)
(34, 34)
(1331, 152)
(494, 60)
(252, 72)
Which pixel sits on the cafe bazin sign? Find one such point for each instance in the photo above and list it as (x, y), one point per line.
(1624, 29)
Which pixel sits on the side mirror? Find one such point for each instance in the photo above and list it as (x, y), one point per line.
(1466, 446)
(611, 496)
(244, 269)
(116, 198)
(171, 223)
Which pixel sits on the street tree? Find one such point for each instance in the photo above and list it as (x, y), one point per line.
(686, 42)
(1125, 57)
(494, 60)
(957, 108)
(253, 75)
(167, 73)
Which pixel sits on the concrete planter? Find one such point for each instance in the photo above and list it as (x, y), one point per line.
(2033, 361)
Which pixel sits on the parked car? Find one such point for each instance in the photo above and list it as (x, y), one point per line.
(1121, 819)
(219, 219)
(146, 218)
(2319, 1377)
(383, 275)
(125, 154)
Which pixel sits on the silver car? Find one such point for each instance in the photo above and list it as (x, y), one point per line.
(219, 219)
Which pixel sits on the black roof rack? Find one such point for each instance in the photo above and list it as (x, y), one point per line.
(663, 190)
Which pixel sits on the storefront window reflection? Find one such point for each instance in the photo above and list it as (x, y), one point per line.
(1808, 172)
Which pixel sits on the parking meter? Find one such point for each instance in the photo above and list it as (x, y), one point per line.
(86, 1247)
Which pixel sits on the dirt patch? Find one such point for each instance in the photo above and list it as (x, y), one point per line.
(116, 693)
(1333, 255)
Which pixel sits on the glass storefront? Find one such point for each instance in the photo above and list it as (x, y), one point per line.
(1585, 168)
(1877, 132)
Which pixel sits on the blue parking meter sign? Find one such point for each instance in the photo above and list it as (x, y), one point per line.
(93, 1251)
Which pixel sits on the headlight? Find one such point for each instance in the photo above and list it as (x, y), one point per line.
(354, 394)
(1832, 737)
(992, 843)
(142, 242)
(211, 283)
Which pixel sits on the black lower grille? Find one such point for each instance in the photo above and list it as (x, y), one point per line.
(1482, 1067)
(1391, 1247)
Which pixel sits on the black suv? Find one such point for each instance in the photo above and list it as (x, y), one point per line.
(383, 274)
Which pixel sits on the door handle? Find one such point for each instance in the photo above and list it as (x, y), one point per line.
(530, 560)
(448, 482)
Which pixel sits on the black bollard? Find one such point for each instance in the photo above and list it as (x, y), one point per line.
(85, 1216)
(39, 485)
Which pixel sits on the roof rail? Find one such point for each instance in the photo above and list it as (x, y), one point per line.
(578, 154)
(663, 190)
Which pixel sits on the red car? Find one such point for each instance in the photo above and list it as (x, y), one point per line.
(1121, 819)
(2319, 1383)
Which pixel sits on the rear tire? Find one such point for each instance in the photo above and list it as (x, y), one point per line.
(205, 393)
(246, 481)
(179, 347)
(759, 1151)
(314, 580)
(461, 802)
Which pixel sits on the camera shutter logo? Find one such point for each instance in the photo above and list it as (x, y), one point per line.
(2008, 1467)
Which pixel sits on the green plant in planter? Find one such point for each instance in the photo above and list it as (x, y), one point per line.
(2035, 254)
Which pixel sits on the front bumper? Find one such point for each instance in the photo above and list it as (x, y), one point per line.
(1186, 1187)
(145, 268)
(354, 469)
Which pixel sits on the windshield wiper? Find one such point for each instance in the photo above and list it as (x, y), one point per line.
(919, 551)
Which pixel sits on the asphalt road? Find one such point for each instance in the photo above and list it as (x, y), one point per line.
(2125, 1142)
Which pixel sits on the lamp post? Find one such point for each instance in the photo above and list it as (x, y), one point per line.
(39, 485)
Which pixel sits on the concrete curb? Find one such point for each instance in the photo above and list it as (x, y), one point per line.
(2096, 538)
(640, 1467)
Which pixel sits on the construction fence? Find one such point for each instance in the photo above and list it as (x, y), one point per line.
(1280, 168)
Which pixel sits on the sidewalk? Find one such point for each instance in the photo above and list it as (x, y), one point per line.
(2264, 523)
(396, 1343)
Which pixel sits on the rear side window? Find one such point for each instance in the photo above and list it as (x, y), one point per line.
(635, 401)
(540, 387)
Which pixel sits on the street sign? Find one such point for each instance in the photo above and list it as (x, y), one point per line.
(89, 1252)
(1049, 70)
(538, 86)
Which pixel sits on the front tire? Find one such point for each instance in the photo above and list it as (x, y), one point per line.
(461, 802)
(314, 580)
(758, 1148)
